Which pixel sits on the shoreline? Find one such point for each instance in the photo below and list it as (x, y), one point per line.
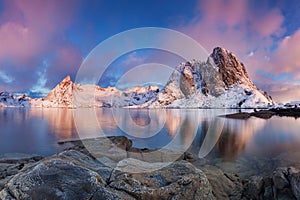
(215, 182)
(266, 114)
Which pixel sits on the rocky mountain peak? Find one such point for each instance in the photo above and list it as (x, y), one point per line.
(231, 69)
(220, 81)
(66, 80)
(63, 92)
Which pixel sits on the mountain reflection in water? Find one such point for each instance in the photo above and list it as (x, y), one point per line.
(38, 130)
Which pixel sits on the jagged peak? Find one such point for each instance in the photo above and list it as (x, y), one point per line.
(231, 68)
(220, 53)
(67, 79)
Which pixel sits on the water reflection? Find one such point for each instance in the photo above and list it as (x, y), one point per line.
(37, 130)
(236, 135)
(60, 121)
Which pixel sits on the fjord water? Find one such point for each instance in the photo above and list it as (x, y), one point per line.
(37, 131)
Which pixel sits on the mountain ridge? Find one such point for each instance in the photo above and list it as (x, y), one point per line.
(219, 82)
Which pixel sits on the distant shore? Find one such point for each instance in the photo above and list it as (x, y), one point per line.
(266, 114)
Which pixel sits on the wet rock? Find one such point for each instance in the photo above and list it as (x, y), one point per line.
(53, 178)
(114, 148)
(132, 165)
(224, 185)
(83, 160)
(280, 178)
(11, 164)
(9, 169)
(268, 193)
(294, 178)
(179, 180)
(254, 187)
(16, 158)
(119, 148)
(4, 181)
(108, 193)
(268, 189)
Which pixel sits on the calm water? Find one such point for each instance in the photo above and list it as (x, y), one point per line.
(38, 130)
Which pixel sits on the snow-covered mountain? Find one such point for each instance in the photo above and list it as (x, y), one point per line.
(9, 100)
(221, 81)
(70, 94)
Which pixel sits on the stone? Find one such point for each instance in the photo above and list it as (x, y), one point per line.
(268, 188)
(14, 158)
(280, 178)
(179, 180)
(114, 148)
(88, 162)
(294, 178)
(224, 185)
(108, 193)
(254, 187)
(7, 169)
(53, 178)
(4, 181)
(132, 165)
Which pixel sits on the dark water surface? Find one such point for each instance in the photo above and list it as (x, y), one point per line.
(37, 130)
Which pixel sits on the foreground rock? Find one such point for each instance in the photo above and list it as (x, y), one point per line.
(11, 164)
(53, 178)
(179, 180)
(74, 175)
(118, 148)
(224, 185)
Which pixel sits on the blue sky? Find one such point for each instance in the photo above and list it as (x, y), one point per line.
(43, 41)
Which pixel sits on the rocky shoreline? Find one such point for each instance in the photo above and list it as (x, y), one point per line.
(75, 173)
(266, 114)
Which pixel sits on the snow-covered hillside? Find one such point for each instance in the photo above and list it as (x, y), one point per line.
(221, 81)
(9, 100)
(69, 94)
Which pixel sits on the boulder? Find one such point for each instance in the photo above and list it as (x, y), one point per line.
(108, 193)
(179, 180)
(115, 147)
(83, 160)
(53, 178)
(294, 178)
(254, 187)
(224, 185)
(280, 178)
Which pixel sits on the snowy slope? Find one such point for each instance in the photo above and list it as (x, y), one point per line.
(69, 94)
(220, 82)
(9, 100)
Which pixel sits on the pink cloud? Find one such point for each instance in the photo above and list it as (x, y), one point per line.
(32, 30)
(241, 28)
(229, 12)
(286, 57)
(67, 61)
(234, 25)
(30, 26)
(269, 23)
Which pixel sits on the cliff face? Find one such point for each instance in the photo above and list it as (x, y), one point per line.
(62, 94)
(220, 81)
(232, 71)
